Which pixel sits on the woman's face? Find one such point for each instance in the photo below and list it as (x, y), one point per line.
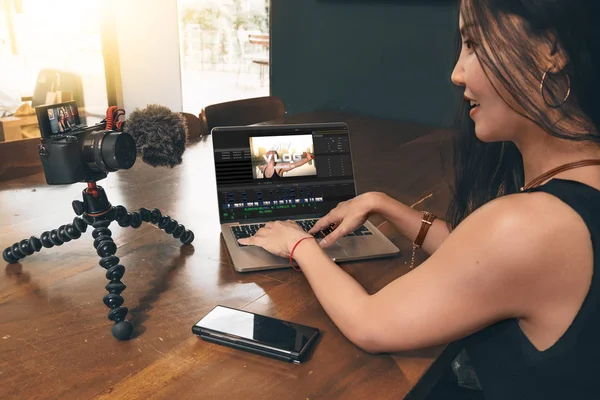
(61, 113)
(494, 119)
(273, 155)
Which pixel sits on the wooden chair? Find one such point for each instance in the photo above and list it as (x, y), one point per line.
(51, 79)
(262, 59)
(242, 112)
(193, 125)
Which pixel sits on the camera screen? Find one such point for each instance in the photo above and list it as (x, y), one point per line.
(63, 118)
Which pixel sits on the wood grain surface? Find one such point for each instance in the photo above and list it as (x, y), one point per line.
(55, 338)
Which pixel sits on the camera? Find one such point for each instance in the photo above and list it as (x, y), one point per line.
(73, 152)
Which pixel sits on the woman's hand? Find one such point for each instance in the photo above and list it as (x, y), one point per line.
(277, 237)
(346, 217)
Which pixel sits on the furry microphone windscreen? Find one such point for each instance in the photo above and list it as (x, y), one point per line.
(160, 135)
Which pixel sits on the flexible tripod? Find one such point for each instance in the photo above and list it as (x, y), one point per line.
(95, 210)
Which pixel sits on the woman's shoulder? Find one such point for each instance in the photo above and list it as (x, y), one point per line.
(534, 226)
(526, 212)
(527, 238)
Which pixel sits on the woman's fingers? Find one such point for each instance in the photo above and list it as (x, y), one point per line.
(323, 223)
(334, 236)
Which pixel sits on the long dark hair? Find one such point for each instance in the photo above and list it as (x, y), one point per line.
(484, 171)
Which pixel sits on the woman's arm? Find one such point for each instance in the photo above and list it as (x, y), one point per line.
(491, 268)
(408, 221)
(291, 166)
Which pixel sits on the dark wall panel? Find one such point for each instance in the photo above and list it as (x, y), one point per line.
(390, 59)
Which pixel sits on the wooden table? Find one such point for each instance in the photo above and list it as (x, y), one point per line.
(55, 340)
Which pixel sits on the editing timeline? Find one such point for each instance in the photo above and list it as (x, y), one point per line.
(288, 200)
(272, 197)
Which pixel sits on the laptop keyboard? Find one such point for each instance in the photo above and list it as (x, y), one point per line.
(248, 230)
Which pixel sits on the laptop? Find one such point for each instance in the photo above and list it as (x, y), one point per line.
(280, 172)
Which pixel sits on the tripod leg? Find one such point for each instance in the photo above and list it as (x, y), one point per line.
(48, 239)
(170, 226)
(106, 248)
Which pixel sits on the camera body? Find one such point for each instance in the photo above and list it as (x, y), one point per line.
(72, 152)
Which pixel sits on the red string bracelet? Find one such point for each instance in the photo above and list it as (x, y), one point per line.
(292, 252)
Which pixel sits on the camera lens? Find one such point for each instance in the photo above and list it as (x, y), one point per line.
(108, 151)
(118, 150)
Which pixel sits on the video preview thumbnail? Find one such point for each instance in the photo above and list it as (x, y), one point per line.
(275, 157)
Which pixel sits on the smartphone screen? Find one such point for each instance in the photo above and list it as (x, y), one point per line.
(275, 333)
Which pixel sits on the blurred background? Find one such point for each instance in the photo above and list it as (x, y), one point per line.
(95, 52)
(224, 50)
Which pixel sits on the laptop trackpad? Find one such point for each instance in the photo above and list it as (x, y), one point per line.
(336, 251)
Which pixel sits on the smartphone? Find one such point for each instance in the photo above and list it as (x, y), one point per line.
(255, 333)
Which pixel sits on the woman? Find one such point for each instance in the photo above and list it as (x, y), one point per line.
(275, 170)
(512, 270)
(63, 122)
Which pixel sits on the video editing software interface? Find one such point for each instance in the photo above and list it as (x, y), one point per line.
(281, 174)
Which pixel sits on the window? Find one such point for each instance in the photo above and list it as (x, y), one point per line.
(224, 51)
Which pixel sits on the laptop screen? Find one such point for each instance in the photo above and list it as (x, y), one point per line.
(279, 172)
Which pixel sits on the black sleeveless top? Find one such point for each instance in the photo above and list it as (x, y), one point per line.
(506, 362)
(274, 176)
